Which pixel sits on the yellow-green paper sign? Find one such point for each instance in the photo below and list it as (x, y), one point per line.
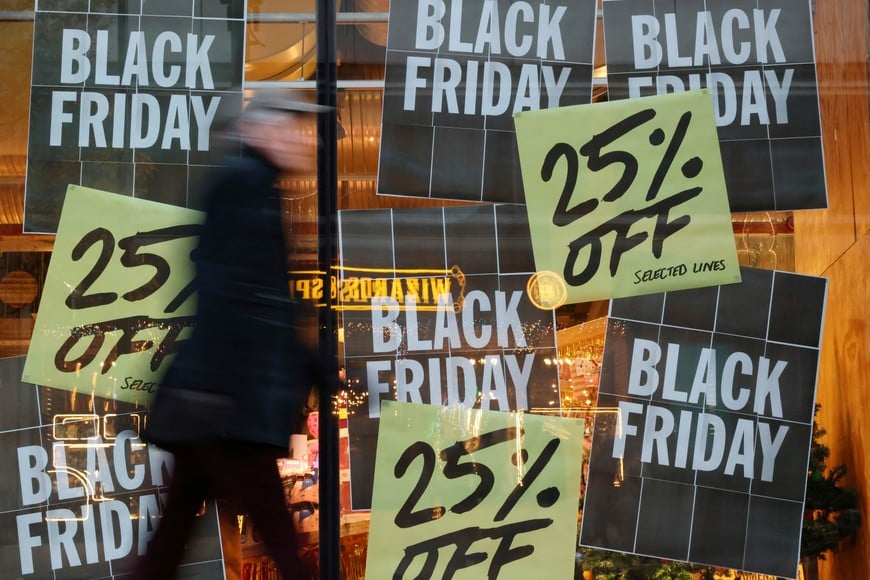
(117, 300)
(466, 494)
(627, 197)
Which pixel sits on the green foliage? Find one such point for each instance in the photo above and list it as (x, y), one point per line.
(618, 566)
(832, 513)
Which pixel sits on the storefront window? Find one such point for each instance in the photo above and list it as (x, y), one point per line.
(437, 286)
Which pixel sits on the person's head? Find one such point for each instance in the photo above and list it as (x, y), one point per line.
(282, 125)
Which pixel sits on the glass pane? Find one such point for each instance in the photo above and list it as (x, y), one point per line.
(362, 43)
(280, 52)
(281, 40)
(60, 446)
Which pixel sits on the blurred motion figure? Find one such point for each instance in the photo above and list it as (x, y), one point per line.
(228, 404)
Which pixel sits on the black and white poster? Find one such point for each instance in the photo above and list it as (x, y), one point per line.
(457, 71)
(757, 58)
(81, 494)
(436, 310)
(125, 97)
(703, 454)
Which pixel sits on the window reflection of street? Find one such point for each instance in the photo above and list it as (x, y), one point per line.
(355, 288)
(78, 435)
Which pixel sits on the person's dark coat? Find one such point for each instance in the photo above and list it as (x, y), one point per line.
(243, 375)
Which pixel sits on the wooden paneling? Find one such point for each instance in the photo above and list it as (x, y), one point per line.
(835, 243)
(841, 62)
(15, 336)
(844, 393)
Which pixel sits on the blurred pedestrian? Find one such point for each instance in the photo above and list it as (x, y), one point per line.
(234, 393)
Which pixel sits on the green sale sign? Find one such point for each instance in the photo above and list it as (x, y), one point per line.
(626, 198)
(467, 493)
(118, 298)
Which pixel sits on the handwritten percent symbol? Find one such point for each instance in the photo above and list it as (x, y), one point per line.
(690, 168)
(546, 497)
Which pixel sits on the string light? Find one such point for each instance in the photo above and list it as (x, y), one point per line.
(349, 400)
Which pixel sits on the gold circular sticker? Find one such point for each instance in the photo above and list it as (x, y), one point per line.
(547, 290)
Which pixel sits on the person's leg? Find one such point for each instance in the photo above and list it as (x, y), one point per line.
(261, 495)
(186, 494)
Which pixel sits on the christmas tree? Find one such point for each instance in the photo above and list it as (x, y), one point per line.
(831, 510)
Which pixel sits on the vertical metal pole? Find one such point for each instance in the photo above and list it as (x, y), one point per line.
(327, 254)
